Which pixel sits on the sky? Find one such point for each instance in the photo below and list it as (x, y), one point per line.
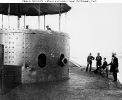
(95, 28)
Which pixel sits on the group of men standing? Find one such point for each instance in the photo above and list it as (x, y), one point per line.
(113, 64)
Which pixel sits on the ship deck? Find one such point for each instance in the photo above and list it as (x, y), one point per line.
(80, 86)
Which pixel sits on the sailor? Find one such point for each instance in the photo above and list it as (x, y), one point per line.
(104, 66)
(48, 27)
(98, 62)
(27, 26)
(89, 62)
(114, 66)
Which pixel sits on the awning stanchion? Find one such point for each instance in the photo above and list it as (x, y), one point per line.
(24, 20)
(2, 20)
(18, 22)
(8, 15)
(44, 22)
(59, 15)
(39, 18)
(19, 15)
(66, 22)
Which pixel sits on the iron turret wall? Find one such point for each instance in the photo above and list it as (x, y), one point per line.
(43, 55)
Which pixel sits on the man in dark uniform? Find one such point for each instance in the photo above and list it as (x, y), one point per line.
(48, 27)
(89, 62)
(114, 66)
(98, 62)
(104, 66)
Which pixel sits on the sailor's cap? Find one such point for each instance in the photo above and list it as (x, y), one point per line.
(114, 53)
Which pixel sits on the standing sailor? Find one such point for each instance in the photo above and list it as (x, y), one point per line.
(89, 62)
(98, 62)
(114, 66)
